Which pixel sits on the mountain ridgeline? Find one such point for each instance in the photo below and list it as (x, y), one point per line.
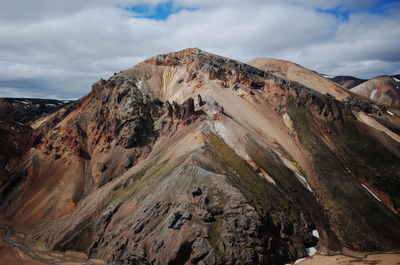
(194, 158)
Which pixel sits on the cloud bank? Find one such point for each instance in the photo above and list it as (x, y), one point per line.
(57, 49)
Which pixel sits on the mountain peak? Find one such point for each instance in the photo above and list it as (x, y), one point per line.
(194, 158)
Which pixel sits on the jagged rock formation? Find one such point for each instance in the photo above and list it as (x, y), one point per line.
(193, 158)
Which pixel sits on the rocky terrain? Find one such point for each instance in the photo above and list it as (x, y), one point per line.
(194, 158)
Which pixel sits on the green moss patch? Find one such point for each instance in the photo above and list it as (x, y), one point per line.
(213, 235)
(260, 193)
(357, 218)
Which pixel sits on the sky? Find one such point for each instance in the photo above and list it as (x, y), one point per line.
(58, 48)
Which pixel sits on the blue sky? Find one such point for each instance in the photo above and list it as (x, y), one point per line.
(55, 48)
(159, 11)
(342, 12)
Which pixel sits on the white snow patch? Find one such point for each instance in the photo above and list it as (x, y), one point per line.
(21, 124)
(327, 76)
(50, 105)
(373, 93)
(12, 128)
(22, 102)
(390, 113)
(395, 79)
(347, 169)
(311, 251)
(373, 194)
(268, 177)
(299, 260)
(276, 152)
(139, 84)
(315, 233)
(303, 181)
(221, 130)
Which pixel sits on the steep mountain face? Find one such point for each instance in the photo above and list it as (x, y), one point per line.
(15, 139)
(24, 110)
(193, 158)
(347, 81)
(383, 89)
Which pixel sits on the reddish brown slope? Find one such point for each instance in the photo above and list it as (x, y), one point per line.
(384, 90)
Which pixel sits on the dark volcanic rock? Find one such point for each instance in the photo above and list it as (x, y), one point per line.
(187, 109)
(128, 163)
(196, 191)
(132, 260)
(179, 218)
(207, 217)
(200, 100)
(102, 167)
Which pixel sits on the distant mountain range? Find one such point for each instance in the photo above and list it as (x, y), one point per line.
(25, 110)
(381, 89)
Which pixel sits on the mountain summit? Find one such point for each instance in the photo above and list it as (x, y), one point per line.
(194, 158)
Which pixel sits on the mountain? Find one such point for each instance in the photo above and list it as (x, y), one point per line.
(381, 89)
(24, 110)
(194, 158)
(15, 135)
(347, 81)
(300, 74)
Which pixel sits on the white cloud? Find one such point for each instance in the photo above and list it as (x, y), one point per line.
(67, 45)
